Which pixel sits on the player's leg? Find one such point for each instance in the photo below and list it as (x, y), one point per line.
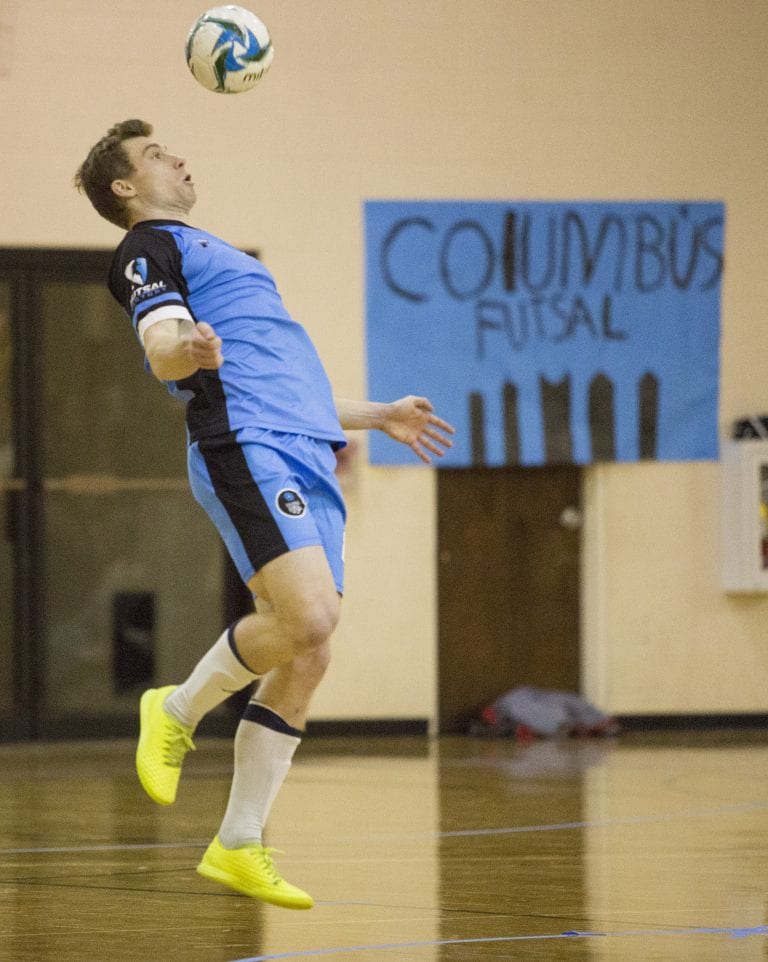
(269, 733)
(267, 737)
(287, 689)
(259, 528)
(301, 615)
(300, 612)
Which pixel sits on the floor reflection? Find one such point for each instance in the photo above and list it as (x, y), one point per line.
(637, 848)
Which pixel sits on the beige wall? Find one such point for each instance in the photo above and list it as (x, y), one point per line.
(581, 99)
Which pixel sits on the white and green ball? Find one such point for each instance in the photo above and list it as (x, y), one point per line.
(229, 49)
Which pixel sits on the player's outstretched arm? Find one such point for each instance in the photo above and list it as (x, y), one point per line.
(177, 348)
(410, 420)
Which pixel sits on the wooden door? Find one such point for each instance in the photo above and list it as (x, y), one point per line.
(508, 586)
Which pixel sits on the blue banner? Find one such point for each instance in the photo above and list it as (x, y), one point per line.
(549, 333)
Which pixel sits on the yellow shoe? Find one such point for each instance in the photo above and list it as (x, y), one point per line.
(163, 743)
(250, 870)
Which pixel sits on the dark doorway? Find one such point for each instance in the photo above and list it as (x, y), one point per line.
(508, 584)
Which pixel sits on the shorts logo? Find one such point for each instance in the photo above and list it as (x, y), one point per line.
(290, 503)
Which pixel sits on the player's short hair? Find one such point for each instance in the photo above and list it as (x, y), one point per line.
(107, 161)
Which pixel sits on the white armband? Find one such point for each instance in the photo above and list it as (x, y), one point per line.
(171, 312)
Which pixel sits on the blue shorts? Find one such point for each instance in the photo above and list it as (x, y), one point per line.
(270, 495)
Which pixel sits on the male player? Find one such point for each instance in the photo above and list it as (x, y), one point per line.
(262, 427)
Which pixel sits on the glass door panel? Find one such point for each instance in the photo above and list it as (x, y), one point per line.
(132, 587)
(133, 571)
(103, 413)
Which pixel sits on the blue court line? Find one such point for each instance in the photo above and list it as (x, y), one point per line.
(735, 933)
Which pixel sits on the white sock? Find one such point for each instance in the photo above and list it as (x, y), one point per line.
(219, 674)
(264, 747)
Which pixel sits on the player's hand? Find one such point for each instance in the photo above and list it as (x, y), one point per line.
(412, 422)
(204, 347)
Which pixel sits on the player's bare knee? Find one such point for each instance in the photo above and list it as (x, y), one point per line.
(312, 630)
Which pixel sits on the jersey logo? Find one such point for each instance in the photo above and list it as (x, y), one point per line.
(290, 503)
(146, 290)
(137, 271)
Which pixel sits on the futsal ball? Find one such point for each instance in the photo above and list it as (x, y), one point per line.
(229, 49)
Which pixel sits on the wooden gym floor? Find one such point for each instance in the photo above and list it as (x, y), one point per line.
(647, 847)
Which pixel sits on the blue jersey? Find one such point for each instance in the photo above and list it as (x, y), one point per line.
(272, 376)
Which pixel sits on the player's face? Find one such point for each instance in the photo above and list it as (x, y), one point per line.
(159, 181)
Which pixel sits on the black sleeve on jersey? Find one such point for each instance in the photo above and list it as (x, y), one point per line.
(146, 272)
